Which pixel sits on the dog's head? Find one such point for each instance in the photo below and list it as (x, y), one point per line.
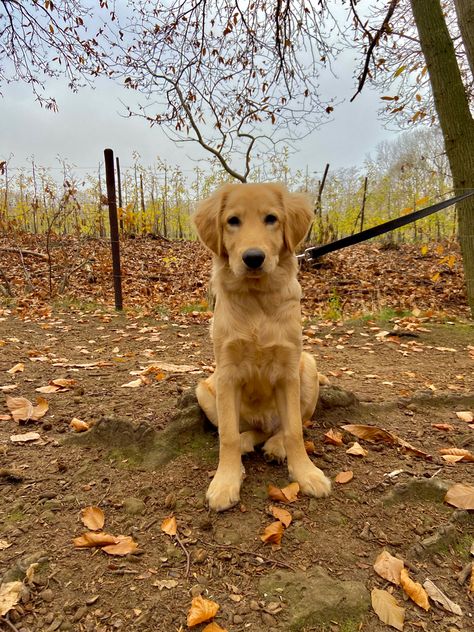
(253, 224)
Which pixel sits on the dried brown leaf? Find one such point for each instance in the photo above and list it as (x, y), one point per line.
(437, 595)
(286, 494)
(91, 539)
(169, 525)
(388, 567)
(124, 546)
(460, 496)
(273, 533)
(201, 610)
(282, 515)
(414, 590)
(465, 415)
(78, 425)
(373, 434)
(20, 408)
(333, 437)
(213, 627)
(26, 437)
(18, 368)
(93, 518)
(357, 450)
(9, 596)
(344, 477)
(387, 609)
(464, 454)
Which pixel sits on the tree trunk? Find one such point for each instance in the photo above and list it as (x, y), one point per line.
(454, 115)
(465, 13)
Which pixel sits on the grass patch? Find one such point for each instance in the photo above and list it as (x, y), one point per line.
(195, 307)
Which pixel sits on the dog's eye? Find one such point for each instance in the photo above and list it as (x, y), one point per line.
(233, 221)
(271, 219)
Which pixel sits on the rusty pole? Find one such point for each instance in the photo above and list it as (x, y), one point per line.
(114, 231)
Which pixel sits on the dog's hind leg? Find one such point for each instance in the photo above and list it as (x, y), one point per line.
(206, 396)
(250, 438)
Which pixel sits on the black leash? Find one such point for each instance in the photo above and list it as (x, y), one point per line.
(375, 231)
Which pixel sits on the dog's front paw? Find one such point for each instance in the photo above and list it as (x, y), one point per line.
(224, 490)
(312, 480)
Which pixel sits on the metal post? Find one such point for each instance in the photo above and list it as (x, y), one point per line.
(114, 232)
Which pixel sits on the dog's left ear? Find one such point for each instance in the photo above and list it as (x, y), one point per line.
(298, 217)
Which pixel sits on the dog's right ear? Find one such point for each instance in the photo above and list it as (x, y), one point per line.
(207, 220)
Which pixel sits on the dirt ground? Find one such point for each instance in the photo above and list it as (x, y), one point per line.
(418, 376)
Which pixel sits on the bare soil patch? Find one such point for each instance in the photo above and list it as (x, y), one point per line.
(408, 382)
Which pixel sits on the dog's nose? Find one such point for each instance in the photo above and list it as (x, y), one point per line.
(253, 258)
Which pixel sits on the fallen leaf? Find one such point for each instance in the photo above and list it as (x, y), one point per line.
(273, 533)
(91, 539)
(344, 477)
(165, 583)
(460, 496)
(57, 385)
(333, 437)
(357, 450)
(124, 546)
(286, 494)
(169, 525)
(78, 425)
(8, 387)
(387, 609)
(171, 368)
(23, 410)
(451, 458)
(282, 515)
(213, 627)
(309, 447)
(465, 415)
(9, 596)
(40, 409)
(5, 417)
(93, 518)
(446, 427)
(437, 595)
(388, 567)
(373, 434)
(134, 383)
(18, 368)
(471, 583)
(414, 590)
(20, 408)
(25, 437)
(464, 454)
(201, 610)
(4, 545)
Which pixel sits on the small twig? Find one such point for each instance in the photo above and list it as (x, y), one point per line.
(26, 253)
(268, 560)
(9, 624)
(123, 571)
(186, 552)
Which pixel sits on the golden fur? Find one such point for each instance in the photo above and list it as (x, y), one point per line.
(263, 385)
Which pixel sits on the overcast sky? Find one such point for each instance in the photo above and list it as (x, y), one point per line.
(93, 119)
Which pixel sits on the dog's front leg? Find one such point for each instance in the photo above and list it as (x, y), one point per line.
(311, 479)
(224, 490)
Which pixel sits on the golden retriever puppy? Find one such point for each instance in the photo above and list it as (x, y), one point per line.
(263, 385)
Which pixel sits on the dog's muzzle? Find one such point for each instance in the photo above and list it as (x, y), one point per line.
(253, 258)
